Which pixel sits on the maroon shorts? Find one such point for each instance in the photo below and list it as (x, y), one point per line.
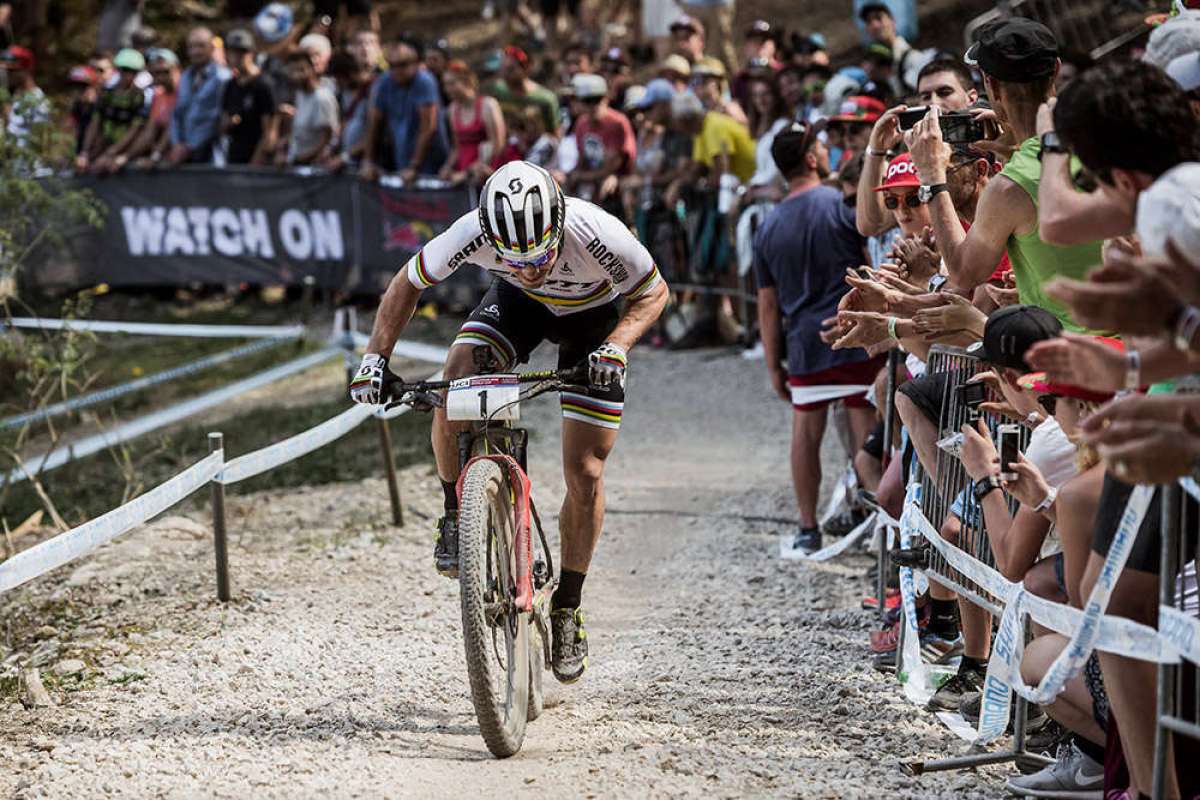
(861, 373)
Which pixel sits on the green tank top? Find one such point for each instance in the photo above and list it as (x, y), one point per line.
(1034, 262)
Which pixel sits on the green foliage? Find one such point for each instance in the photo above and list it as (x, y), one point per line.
(38, 209)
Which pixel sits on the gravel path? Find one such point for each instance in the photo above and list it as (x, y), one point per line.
(717, 669)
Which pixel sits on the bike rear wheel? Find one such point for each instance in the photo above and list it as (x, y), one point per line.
(496, 636)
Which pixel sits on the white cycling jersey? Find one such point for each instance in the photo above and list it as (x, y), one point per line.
(599, 260)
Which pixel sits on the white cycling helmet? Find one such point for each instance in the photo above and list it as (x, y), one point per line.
(521, 212)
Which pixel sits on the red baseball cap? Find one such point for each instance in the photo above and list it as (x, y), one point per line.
(1036, 381)
(517, 54)
(82, 73)
(19, 57)
(901, 174)
(859, 108)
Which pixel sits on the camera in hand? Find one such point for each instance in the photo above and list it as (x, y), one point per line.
(958, 127)
(971, 395)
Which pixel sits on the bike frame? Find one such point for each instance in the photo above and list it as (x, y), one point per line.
(509, 446)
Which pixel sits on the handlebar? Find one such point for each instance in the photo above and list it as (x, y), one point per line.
(395, 390)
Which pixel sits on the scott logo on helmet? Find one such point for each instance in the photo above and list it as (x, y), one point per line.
(515, 185)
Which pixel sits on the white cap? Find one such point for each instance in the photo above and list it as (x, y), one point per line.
(1185, 70)
(1170, 209)
(588, 86)
(1178, 35)
(316, 41)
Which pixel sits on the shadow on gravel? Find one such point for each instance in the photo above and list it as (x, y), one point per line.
(318, 724)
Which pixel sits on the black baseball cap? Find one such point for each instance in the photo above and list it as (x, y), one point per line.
(1014, 50)
(1011, 331)
(870, 8)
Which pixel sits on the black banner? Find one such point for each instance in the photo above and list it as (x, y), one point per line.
(221, 226)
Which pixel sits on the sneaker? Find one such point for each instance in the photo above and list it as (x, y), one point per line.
(889, 638)
(938, 650)
(951, 693)
(911, 557)
(844, 523)
(807, 540)
(1044, 743)
(891, 601)
(1073, 775)
(445, 551)
(568, 644)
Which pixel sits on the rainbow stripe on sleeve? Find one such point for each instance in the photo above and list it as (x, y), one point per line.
(645, 284)
(420, 271)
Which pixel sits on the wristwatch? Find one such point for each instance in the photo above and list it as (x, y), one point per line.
(984, 487)
(927, 193)
(1052, 144)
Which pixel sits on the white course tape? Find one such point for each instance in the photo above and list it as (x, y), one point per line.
(415, 350)
(1189, 486)
(1086, 630)
(802, 395)
(113, 392)
(303, 443)
(161, 329)
(912, 669)
(271, 456)
(789, 553)
(130, 430)
(1181, 632)
(840, 497)
(68, 546)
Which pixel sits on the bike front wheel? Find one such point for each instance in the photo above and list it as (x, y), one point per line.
(496, 636)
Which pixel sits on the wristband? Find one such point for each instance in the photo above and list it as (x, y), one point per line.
(1186, 326)
(871, 151)
(1133, 370)
(1033, 420)
(892, 327)
(1047, 501)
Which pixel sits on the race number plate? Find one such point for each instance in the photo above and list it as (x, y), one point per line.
(484, 397)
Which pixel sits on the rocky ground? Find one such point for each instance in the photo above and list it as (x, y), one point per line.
(717, 669)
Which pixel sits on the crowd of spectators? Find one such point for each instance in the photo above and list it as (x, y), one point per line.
(1021, 202)
(1048, 221)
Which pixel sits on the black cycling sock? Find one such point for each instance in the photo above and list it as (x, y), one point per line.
(944, 618)
(976, 664)
(570, 588)
(1089, 748)
(450, 490)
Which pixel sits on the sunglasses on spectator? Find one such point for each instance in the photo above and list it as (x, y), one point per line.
(404, 64)
(891, 202)
(1048, 402)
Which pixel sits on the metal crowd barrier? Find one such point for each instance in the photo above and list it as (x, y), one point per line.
(938, 495)
(1179, 622)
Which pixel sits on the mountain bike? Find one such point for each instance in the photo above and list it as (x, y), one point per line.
(505, 576)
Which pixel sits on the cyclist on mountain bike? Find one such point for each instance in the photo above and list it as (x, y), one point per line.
(561, 267)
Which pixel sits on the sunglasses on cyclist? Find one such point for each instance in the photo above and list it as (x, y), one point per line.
(540, 261)
(1048, 402)
(891, 202)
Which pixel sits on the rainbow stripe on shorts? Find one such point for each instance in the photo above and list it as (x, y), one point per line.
(582, 408)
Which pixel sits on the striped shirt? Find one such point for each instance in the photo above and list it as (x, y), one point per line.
(599, 261)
